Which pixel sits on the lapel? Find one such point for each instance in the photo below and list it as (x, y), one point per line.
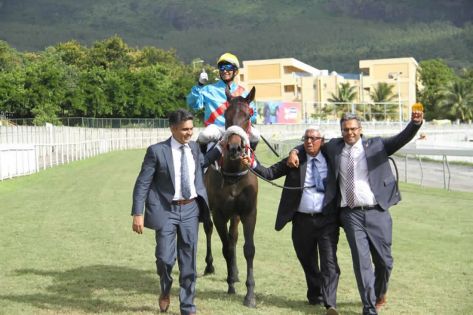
(168, 160)
(366, 146)
(338, 156)
(195, 153)
(303, 169)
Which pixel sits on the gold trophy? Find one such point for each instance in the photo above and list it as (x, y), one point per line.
(418, 107)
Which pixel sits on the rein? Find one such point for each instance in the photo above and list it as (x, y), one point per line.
(272, 183)
(277, 185)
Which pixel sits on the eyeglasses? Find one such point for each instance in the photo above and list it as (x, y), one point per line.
(227, 67)
(346, 130)
(311, 139)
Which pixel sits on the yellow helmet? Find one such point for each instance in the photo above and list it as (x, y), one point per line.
(230, 58)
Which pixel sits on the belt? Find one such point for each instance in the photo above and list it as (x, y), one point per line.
(311, 214)
(362, 207)
(182, 201)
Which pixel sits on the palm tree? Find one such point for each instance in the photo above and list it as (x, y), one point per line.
(382, 93)
(458, 97)
(345, 94)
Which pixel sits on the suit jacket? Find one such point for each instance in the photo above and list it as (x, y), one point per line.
(377, 150)
(154, 187)
(291, 198)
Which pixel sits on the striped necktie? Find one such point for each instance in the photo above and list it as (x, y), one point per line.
(350, 183)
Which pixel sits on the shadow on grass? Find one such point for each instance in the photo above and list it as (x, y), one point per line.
(279, 301)
(81, 289)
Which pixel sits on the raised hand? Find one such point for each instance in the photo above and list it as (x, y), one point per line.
(203, 77)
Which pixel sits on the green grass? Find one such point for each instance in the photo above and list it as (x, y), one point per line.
(66, 247)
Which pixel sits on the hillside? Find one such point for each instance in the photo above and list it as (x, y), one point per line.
(326, 34)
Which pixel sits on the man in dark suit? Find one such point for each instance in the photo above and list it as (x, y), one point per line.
(315, 225)
(367, 188)
(171, 188)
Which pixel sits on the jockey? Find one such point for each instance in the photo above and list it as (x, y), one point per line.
(212, 98)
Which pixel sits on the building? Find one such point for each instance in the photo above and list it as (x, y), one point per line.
(400, 72)
(299, 87)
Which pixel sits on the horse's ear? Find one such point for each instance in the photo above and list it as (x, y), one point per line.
(251, 96)
(228, 94)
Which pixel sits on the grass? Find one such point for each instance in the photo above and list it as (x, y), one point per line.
(67, 247)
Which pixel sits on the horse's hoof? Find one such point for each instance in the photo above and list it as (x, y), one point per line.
(231, 290)
(209, 270)
(249, 302)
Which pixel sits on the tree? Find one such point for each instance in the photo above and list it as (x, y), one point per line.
(345, 94)
(110, 53)
(458, 97)
(434, 76)
(382, 93)
(9, 58)
(45, 86)
(12, 93)
(72, 53)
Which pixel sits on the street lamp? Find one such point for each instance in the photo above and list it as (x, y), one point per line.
(396, 76)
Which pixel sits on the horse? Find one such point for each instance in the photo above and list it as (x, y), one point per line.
(232, 192)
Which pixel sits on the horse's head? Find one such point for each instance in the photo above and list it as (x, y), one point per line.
(237, 141)
(235, 147)
(239, 112)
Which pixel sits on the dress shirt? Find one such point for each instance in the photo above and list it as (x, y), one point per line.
(312, 200)
(176, 159)
(363, 194)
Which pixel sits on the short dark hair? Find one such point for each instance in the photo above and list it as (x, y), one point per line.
(350, 116)
(178, 116)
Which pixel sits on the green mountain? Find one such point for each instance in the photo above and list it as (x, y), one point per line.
(327, 34)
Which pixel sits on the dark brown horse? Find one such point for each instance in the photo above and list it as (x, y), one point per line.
(232, 192)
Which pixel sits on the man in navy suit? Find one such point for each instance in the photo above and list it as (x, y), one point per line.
(366, 189)
(171, 188)
(314, 216)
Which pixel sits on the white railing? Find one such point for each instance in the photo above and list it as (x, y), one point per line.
(26, 150)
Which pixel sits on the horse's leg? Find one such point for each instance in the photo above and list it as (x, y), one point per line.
(208, 228)
(221, 225)
(249, 223)
(233, 238)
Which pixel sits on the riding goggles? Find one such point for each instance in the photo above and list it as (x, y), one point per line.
(227, 67)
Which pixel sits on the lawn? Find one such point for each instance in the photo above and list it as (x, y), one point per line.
(66, 247)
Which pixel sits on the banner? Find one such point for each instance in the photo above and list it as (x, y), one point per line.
(278, 112)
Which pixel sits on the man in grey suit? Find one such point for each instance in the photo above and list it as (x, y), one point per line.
(367, 188)
(314, 216)
(171, 188)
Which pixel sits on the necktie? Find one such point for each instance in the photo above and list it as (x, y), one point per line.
(350, 184)
(317, 178)
(185, 186)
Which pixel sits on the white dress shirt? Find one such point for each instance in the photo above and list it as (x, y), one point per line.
(363, 194)
(312, 200)
(176, 159)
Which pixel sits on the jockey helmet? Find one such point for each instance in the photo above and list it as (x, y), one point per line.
(230, 58)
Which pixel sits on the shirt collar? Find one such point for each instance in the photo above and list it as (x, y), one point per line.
(318, 157)
(357, 146)
(176, 144)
